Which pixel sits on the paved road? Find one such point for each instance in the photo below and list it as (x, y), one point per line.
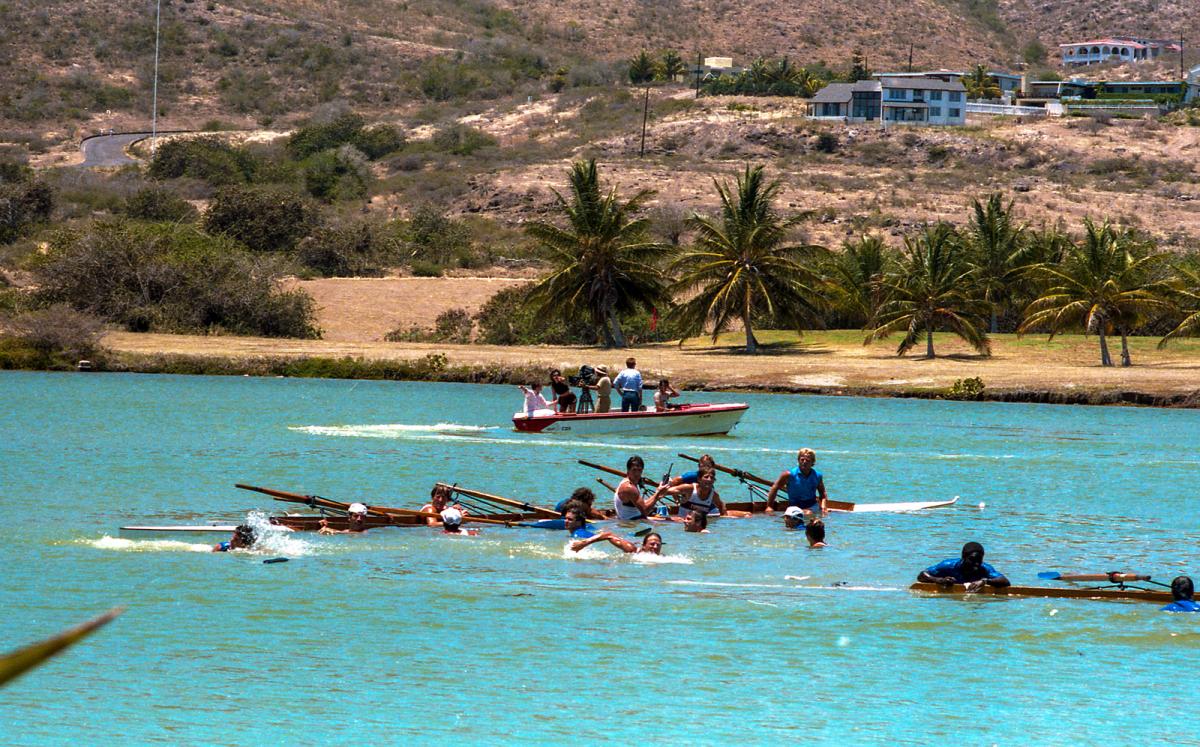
(108, 150)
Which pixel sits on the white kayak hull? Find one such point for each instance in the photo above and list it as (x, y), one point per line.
(687, 420)
(863, 508)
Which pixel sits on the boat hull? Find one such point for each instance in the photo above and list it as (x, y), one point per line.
(687, 420)
(847, 507)
(1138, 595)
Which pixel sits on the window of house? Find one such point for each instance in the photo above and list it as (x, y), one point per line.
(955, 113)
(935, 111)
(896, 94)
(935, 95)
(956, 96)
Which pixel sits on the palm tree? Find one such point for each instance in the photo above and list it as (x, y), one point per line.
(1185, 289)
(930, 288)
(980, 85)
(742, 266)
(996, 250)
(641, 68)
(671, 66)
(1108, 282)
(855, 276)
(604, 264)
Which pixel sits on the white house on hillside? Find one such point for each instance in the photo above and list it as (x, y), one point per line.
(1115, 49)
(899, 100)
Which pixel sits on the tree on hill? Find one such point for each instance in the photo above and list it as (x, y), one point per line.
(641, 68)
(671, 66)
(604, 264)
(1108, 283)
(981, 85)
(930, 288)
(742, 266)
(858, 67)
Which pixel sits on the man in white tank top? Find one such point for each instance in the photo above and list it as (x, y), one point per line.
(628, 501)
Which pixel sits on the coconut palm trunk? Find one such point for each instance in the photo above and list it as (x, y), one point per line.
(1126, 360)
(616, 338)
(751, 341)
(929, 341)
(1105, 358)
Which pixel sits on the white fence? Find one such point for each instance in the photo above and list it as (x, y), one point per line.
(979, 107)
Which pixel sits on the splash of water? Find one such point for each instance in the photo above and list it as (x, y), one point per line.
(272, 539)
(120, 544)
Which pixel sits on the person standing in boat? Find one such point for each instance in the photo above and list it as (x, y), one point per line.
(651, 543)
(1182, 590)
(564, 398)
(804, 486)
(663, 395)
(629, 385)
(969, 570)
(603, 389)
(628, 501)
(440, 499)
(534, 400)
(356, 521)
(243, 538)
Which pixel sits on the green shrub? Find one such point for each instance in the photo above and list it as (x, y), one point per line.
(436, 238)
(315, 137)
(25, 203)
(423, 269)
(344, 251)
(159, 204)
(379, 140)
(261, 218)
(461, 140)
(340, 174)
(453, 325)
(970, 389)
(172, 278)
(58, 336)
(827, 142)
(210, 159)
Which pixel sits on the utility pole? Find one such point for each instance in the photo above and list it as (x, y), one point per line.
(154, 114)
(910, 46)
(1181, 57)
(698, 62)
(645, 115)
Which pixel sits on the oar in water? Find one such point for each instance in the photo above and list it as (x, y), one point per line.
(1114, 577)
(606, 485)
(501, 500)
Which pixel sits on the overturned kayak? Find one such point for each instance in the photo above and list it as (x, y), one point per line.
(1119, 592)
(684, 420)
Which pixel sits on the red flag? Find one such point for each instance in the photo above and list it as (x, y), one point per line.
(653, 319)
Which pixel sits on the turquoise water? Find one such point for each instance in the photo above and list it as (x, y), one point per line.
(408, 636)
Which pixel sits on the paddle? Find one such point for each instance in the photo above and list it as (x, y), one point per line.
(646, 483)
(1115, 577)
(529, 507)
(606, 485)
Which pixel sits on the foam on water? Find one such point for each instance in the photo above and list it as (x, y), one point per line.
(120, 544)
(393, 430)
(592, 552)
(272, 539)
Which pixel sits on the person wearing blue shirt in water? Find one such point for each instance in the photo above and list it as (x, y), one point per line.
(804, 486)
(969, 570)
(243, 537)
(584, 496)
(693, 476)
(1181, 591)
(575, 522)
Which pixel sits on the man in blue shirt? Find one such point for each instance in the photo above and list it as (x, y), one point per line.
(804, 486)
(969, 570)
(629, 385)
(1181, 591)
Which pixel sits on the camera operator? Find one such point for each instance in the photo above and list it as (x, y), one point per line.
(602, 386)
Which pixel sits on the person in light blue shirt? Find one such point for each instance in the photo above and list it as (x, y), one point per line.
(804, 486)
(969, 570)
(629, 385)
(1181, 591)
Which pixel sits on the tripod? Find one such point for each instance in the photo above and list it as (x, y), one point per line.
(585, 404)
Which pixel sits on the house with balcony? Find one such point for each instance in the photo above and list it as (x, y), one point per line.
(1008, 82)
(899, 100)
(1116, 49)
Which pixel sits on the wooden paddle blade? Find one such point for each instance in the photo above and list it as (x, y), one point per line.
(22, 660)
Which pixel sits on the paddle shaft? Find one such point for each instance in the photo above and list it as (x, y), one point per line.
(309, 500)
(547, 512)
(1114, 577)
(389, 512)
(646, 483)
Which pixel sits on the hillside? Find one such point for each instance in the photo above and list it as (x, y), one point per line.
(69, 66)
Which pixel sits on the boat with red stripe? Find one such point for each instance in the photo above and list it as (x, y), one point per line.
(700, 419)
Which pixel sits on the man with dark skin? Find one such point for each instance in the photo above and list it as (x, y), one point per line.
(969, 570)
(1182, 590)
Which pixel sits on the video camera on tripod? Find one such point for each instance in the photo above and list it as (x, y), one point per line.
(585, 378)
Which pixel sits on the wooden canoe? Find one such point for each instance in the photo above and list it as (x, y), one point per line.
(1139, 595)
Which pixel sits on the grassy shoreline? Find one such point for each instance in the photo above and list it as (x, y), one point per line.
(1035, 370)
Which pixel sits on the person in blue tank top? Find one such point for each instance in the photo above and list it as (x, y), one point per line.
(1181, 592)
(691, 477)
(586, 498)
(969, 570)
(804, 485)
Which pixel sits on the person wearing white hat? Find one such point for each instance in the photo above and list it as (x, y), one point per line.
(356, 521)
(814, 529)
(452, 520)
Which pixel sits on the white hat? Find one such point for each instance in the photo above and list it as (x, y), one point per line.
(357, 508)
(452, 517)
(794, 512)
